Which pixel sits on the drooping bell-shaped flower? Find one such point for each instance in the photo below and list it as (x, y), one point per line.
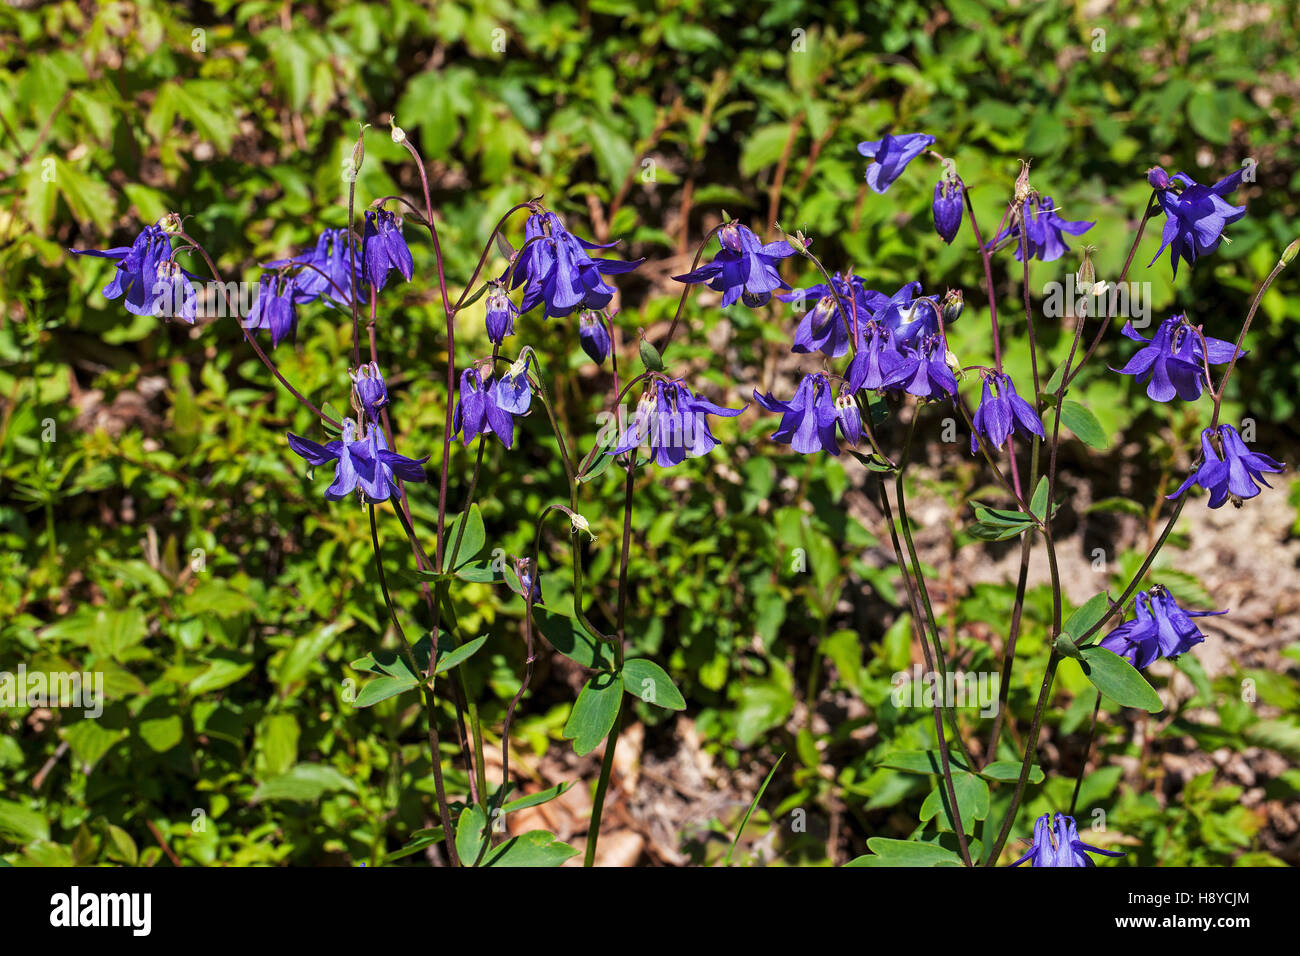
(1043, 228)
(827, 326)
(925, 372)
(809, 419)
(559, 272)
(383, 248)
(1195, 215)
(372, 391)
(362, 463)
(1001, 413)
(501, 314)
(175, 295)
(1056, 843)
(947, 208)
(137, 268)
(1160, 629)
(890, 155)
(275, 309)
(484, 406)
(744, 268)
(327, 270)
(673, 422)
(1230, 475)
(1172, 363)
(878, 362)
(593, 336)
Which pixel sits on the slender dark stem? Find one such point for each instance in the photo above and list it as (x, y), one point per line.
(426, 698)
(925, 648)
(1083, 766)
(602, 785)
(986, 258)
(922, 591)
(1241, 337)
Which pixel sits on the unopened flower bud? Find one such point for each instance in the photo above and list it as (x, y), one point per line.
(953, 303)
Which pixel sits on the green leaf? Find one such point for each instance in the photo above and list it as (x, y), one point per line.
(479, 572)
(972, 801)
(752, 804)
(1117, 679)
(996, 532)
(161, 733)
(472, 542)
(18, 824)
(872, 461)
(1065, 645)
(647, 681)
(887, 852)
(89, 740)
(534, 848)
(305, 783)
(538, 798)
(1038, 505)
(382, 688)
(568, 637)
(470, 834)
(419, 840)
(597, 468)
(1083, 619)
(277, 739)
(1084, 424)
(1005, 771)
(918, 761)
(594, 712)
(458, 656)
(122, 848)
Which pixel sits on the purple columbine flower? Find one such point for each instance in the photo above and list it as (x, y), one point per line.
(808, 420)
(1173, 360)
(673, 421)
(1195, 215)
(1057, 843)
(137, 268)
(335, 280)
(1043, 230)
(530, 589)
(383, 248)
(947, 208)
(925, 372)
(1231, 475)
(362, 464)
(558, 270)
(491, 405)
(826, 326)
(744, 268)
(593, 336)
(372, 391)
(501, 314)
(849, 415)
(878, 362)
(1160, 629)
(1001, 412)
(908, 314)
(174, 294)
(275, 309)
(890, 155)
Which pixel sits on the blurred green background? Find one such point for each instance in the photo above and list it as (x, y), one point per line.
(167, 537)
